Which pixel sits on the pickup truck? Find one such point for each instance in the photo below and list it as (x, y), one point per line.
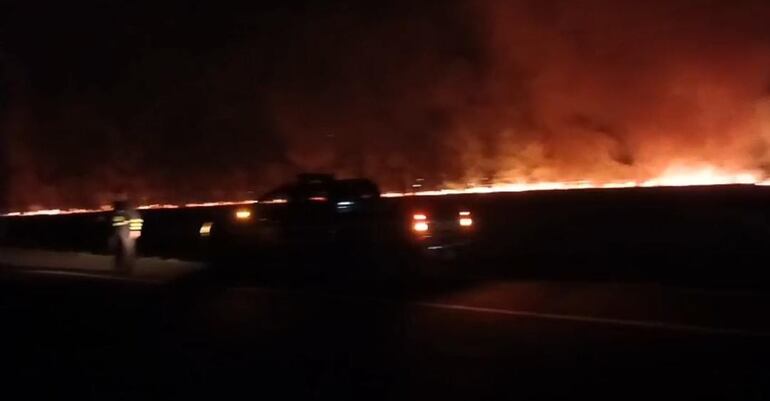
(338, 224)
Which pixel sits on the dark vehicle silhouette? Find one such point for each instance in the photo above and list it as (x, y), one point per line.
(338, 224)
(318, 219)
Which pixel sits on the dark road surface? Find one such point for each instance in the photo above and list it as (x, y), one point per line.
(205, 337)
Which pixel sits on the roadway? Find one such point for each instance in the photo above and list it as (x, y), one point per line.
(188, 333)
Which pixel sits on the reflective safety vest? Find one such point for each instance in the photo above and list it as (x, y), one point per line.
(134, 224)
(118, 221)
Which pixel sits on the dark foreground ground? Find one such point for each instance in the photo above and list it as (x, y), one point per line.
(201, 337)
(624, 294)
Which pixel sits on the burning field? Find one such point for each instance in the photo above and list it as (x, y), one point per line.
(457, 97)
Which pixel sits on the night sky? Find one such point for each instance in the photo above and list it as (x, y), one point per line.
(182, 100)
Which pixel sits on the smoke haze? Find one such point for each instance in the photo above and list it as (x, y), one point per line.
(186, 101)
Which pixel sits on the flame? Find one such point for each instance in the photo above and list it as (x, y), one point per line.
(221, 203)
(146, 207)
(680, 176)
(675, 176)
(277, 201)
(105, 208)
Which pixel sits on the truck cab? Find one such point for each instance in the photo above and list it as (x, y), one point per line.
(324, 220)
(316, 213)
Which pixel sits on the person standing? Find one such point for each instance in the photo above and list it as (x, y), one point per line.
(126, 229)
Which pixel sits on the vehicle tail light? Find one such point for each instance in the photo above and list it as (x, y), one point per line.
(243, 214)
(464, 218)
(420, 222)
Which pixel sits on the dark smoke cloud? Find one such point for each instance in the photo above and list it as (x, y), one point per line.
(627, 89)
(538, 91)
(188, 102)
